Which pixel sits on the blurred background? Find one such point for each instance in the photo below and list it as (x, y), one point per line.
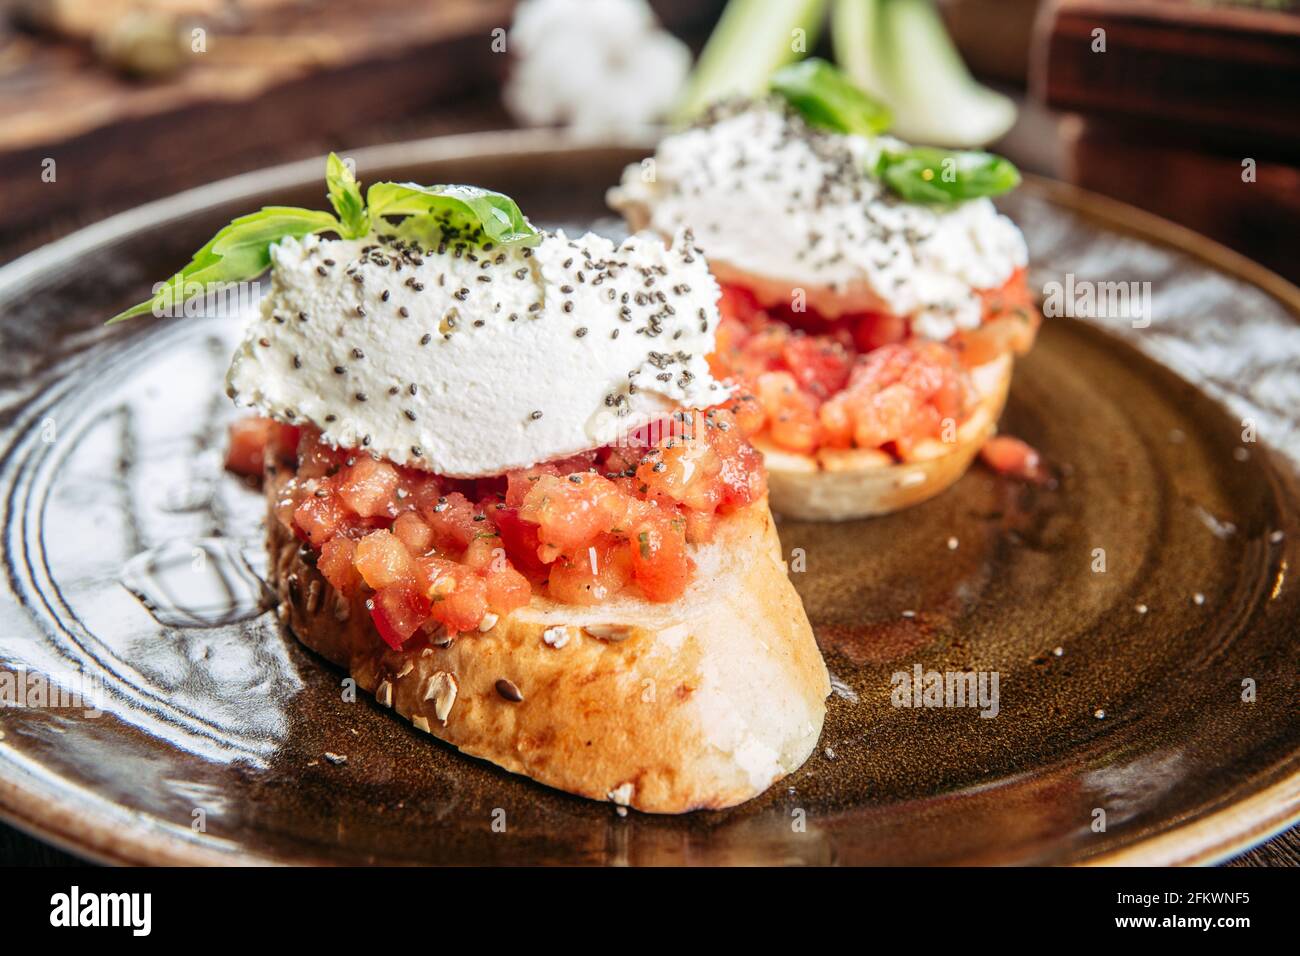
(1184, 107)
(1187, 108)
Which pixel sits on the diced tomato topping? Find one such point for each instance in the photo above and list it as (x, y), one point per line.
(1013, 332)
(871, 330)
(246, 445)
(335, 563)
(413, 532)
(820, 365)
(519, 483)
(458, 595)
(1012, 457)
(398, 611)
(451, 518)
(660, 562)
(507, 589)
(368, 486)
(430, 551)
(682, 469)
(861, 380)
(742, 476)
(592, 575)
(791, 412)
(747, 411)
(572, 510)
(319, 460)
(320, 517)
(382, 560)
(250, 439)
(416, 491)
(699, 526)
(899, 395)
(285, 441)
(739, 303)
(482, 551)
(521, 542)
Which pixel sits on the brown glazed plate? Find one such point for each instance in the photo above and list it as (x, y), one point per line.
(1147, 712)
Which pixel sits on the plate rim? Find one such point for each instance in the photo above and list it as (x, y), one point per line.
(92, 833)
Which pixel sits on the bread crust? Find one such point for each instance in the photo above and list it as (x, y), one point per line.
(700, 703)
(842, 484)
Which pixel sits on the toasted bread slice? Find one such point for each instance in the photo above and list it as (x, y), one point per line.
(698, 703)
(839, 484)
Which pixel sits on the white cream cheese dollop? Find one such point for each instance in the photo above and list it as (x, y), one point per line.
(468, 361)
(781, 207)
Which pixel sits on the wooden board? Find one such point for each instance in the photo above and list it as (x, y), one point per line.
(1177, 176)
(1231, 67)
(324, 72)
(279, 80)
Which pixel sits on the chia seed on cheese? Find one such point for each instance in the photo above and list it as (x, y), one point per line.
(782, 207)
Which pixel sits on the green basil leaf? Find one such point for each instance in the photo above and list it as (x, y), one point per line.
(458, 206)
(345, 197)
(240, 251)
(928, 174)
(827, 98)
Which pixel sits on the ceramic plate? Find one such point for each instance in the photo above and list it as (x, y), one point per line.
(1141, 615)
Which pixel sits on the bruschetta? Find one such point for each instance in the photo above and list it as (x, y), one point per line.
(872, 297)
(507, 496)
